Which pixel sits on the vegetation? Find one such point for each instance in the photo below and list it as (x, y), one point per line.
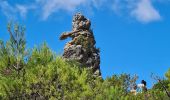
(40, 74)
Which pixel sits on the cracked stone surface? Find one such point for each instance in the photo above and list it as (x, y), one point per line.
(82, 46)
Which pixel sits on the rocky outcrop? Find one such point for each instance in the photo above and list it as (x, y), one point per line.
(82, 46)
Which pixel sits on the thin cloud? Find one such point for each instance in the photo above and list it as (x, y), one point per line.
(12, 11)
(7, 9)
(50, 7)
(141, 10)
(46, 8)
(22, 9)
(145, 12)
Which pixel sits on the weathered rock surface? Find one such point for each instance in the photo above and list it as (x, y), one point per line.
(82, 46)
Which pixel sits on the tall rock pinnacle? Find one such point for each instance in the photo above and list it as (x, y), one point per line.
(82, 46)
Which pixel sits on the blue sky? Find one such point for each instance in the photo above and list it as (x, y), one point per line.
(133, 35)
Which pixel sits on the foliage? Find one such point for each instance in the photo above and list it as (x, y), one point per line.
(159, 85)
(168, 74)
(60, 79)
(13, 53)
(45, 76)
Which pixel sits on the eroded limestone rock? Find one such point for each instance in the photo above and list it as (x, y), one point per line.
(82, 46)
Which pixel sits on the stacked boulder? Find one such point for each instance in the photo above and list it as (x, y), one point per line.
(82, 46)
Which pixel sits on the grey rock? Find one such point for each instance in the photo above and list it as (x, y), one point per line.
(82, 46)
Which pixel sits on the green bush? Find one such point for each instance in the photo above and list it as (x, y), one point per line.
(41, 75)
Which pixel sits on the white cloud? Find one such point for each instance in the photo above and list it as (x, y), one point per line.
(11, 11)
(52, 6)
(141, 10)
(145, 12)
(45, 8)
(22, 10)
(7, 9)
(116, 6)
(122, 6)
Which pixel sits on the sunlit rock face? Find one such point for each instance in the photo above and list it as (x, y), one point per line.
(82, 46)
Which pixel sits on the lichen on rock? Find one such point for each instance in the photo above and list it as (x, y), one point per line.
(82, 46)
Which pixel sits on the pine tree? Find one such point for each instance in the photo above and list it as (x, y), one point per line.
(17, 45)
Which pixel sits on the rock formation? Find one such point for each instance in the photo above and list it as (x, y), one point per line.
(82, 46)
